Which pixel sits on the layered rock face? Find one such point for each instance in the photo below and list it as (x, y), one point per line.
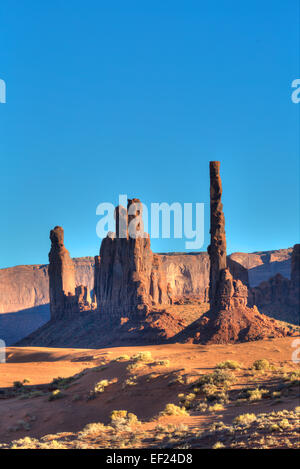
(263, 265)
(27, 286)
(129, 279)
(295, 273)
(279, 296)
(65, 298)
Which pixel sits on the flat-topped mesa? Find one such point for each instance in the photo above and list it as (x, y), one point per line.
(224, 291)
(65, 297)
(129, 279)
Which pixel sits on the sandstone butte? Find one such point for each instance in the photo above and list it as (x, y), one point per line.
(132, 296)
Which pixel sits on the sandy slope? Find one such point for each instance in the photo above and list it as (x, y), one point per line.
(145, 399)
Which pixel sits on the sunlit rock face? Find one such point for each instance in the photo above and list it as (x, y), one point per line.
(129, 280)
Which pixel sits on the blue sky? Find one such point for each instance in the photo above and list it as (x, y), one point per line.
(106, 98)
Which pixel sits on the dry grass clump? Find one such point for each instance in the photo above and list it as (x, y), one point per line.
(229, 365)
(257, 394)
(144, 356)
(165, 363)
(122, 358)
(218, 445)
(173, 409)
(139, 359)
(92, 429)
(216, 407)
(123, 418)
(100, 388)
(129, 382)
(245, 419)
(187, 400)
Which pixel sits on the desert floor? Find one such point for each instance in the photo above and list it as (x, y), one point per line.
(37, 412)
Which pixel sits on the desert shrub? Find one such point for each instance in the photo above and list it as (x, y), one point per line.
(229, 365)
(177, 379)
(201, 407)
(62, 383)
(142, 357)
(284, 423)
(293, 377)
(92, 429)
(217, 378)
(18, 384)
(210, 390)
(129, 382)
(26, 443)
(118, 414)
(274, 427)
(138, 360)
(218, 445)
(172, 409)
(121, 418)
(123, 358)
(256, 394)
(99, 388)
(216, 407)
(187, 400)
(245, 419)
(162, 363)
(261, 364)
(56, 394)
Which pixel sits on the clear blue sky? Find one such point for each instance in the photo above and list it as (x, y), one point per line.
(105, 98)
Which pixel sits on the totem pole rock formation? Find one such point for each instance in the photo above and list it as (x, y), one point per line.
(224, 291)
(65, 297)
(129, 280)
(229, 319)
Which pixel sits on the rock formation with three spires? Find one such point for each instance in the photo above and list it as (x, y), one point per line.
(130, 282)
